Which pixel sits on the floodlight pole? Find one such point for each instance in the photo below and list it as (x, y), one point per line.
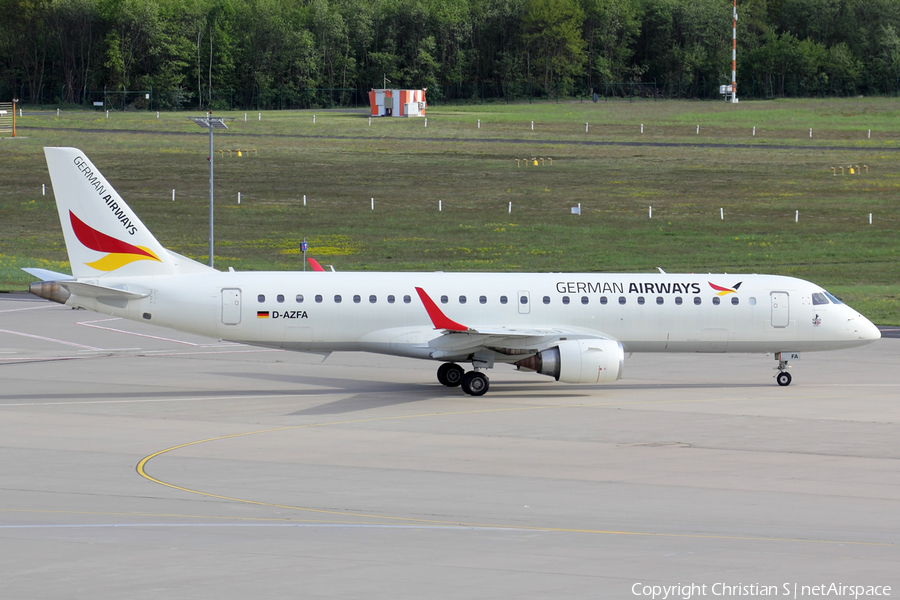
(209, 126)
(209, 122)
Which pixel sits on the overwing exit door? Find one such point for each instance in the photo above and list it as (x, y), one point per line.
(523, 299)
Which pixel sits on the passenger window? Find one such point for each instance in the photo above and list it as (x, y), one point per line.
(584, 300)
(444, 299)
(299, 298)
(659, 300)
(280, 298)
(503, 300)
(319, 298)
(406, 299)
(621, 299)
(391, 299)
(819, 299)
(641, 300)
(717, 300)
(356, 298)
(546, 299)
(678, 300)
(735, 300)
(697, 300)
(523, 299)
(462, 299)
(603, 300)
(337, 298)
(565, 299)
(261, 298)
(372, 299)
(752, 301)
(482, 299)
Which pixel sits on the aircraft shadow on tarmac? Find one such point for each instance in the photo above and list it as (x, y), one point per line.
(367, 395)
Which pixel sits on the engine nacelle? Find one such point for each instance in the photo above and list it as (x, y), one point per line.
(579, 361)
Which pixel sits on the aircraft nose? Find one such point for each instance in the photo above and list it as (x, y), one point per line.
(866, 329)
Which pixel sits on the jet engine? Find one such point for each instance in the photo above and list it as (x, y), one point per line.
(579, 361)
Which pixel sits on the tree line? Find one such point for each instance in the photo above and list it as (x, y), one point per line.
(295, 53)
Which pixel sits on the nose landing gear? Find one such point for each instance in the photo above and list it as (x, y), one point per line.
(783, 377)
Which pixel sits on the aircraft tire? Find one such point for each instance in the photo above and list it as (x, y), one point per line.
(783, 378)
(475, 383)
(450, 374)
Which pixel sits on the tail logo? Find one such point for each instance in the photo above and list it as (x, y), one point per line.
(724, 291)
(118, 253)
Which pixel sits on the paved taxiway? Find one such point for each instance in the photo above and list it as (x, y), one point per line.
(274, 475)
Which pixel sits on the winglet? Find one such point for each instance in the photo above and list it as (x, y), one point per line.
(315, 264)
(440, 320)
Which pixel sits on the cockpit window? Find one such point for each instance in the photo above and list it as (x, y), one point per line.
(819, 299)
(833, 298)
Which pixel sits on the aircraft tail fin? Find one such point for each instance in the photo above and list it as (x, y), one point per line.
(103, 235)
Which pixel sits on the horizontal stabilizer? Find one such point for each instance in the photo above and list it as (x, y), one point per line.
(89, 290)
(47, 274)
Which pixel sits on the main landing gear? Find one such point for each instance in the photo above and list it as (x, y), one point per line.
(474, 383)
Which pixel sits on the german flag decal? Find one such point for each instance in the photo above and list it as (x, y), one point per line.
(262, 314)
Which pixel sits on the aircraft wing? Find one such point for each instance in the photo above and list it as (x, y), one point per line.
(458, 339)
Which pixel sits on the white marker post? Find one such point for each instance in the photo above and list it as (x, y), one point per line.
(157, 114)
(479, 123)
(642, 128)
(314, 119)
(43, 189)
(722, 213)
(870, 218)
(239, 197)
(698, 130)
(810, 132)
(370, 121)
(426, 122)
(57, 112)
(304, 199)
(532, 125)
(173, 195)
(585, 127)
(510, 208)
(754, 132)
(440, 205)
(107, 114)
(373, 203)
(796, 216)
(260, 117)
(651, 213)
(579, 209)
(245, 117)
(870, 134)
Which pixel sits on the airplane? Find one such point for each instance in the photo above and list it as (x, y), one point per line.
(574, 327)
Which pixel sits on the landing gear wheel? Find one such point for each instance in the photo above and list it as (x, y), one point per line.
(475, 383)
(783, 378)
(450, 374)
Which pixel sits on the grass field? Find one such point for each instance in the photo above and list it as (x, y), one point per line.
(613, 170)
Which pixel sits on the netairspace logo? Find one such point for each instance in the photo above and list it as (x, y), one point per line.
(790, 590)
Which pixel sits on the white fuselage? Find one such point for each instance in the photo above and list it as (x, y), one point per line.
(325, 312)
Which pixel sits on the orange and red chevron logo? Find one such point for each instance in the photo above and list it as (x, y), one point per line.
(724, 291)
(119, 253)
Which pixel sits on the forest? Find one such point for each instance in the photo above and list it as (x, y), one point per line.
(233, 54)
